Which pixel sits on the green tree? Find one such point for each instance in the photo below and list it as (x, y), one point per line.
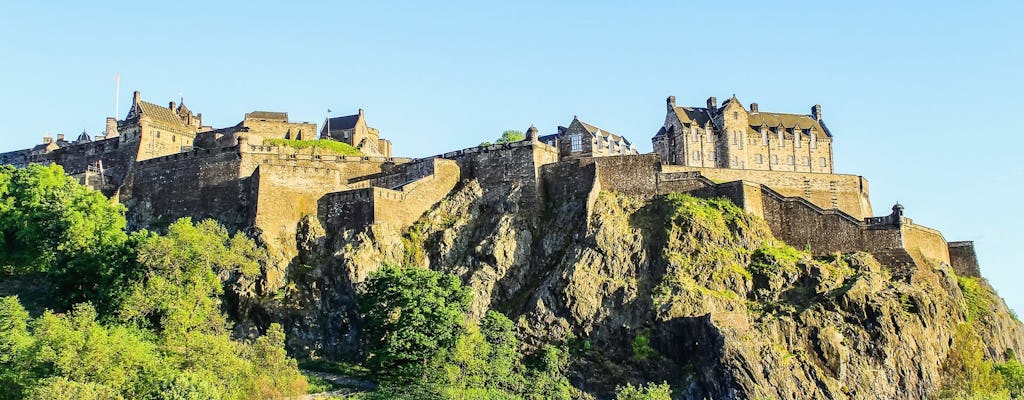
(508, 136)
(966, 372)
(413, 319)
(15, 340)
(50, 223)
(179, 289)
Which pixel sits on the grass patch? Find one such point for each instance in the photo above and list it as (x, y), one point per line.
(319, 385)
(333, 146)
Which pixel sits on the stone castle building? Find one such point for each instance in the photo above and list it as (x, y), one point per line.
(352, 129)
(581, 139)
(732, 136)
(162, 163)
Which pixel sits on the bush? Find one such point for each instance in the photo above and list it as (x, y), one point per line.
(1013, 377)
(651, 391)
(966, 373)
(976, 298)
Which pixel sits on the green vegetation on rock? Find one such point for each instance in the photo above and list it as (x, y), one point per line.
(508, 136)
(333, 146)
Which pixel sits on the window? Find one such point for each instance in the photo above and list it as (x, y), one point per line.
(157, 134)
(696, 156)
(694, 135)
(711, 136)
(764, 137)
(814, 141)
(782, 139)
(807, 161)
(791, 160)
(712, 156)
(174, 138)
(575, 143)
(735, 161)
(760, 159)
(775, 159)
(735, 115)
(824, 163)
(797, 137)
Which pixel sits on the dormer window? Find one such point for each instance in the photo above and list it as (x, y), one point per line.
(764, 136)
(797, 137)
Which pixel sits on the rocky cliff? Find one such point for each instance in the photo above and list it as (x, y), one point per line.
(674, 288)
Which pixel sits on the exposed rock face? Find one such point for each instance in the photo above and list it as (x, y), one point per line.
(676, 289)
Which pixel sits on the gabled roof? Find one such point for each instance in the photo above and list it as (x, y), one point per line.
(598, 131)
(158, 113)
(777, 120)
(281, 116)
(346, 122)
(693, 115)
(547, 138)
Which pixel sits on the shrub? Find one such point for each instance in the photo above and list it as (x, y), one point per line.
(650, 391)
(334, 146)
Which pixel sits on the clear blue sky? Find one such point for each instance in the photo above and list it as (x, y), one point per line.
(923, 97)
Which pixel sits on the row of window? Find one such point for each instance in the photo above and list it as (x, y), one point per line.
(738, 137)
(760, 159)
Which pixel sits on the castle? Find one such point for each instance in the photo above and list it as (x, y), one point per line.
(162, 163)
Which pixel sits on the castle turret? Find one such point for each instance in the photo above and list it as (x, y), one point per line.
(532, 134)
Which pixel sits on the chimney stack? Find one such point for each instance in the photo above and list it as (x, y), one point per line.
(60, 137)
(753, 107)
(816, 112)
(712, 104)
(47, 140)
(136, 97)
(171, 105)
(111, 127)
(671, 102)
(360, 113)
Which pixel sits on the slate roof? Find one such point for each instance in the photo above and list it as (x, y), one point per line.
(268, 115)
(693, 115)
(594, 131)
(776, 120)
(346, 122)
(159, 113)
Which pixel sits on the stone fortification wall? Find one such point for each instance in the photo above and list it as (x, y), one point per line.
(79, 159)
(923, 243)
(963, 259)
(507, 171)
(845, 192)
(202, 184)
(354, 209)
(793, 219)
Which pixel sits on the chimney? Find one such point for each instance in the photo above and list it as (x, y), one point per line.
(111, 127)
(671, 102)
(816, 112)
(60, 137)
(753, 107)
(712, 103)
(360, 113)
(47, 140)
(136, 97)
(171, 105)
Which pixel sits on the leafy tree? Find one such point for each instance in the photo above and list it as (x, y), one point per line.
(14, 342)
(651, 391)
(50, 223)
(413, 319)
(180, 288)
(508, 136)
(1013, 377)
(966, 371)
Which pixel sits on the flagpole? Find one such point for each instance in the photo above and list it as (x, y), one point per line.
(117, 96)
(328, 133)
